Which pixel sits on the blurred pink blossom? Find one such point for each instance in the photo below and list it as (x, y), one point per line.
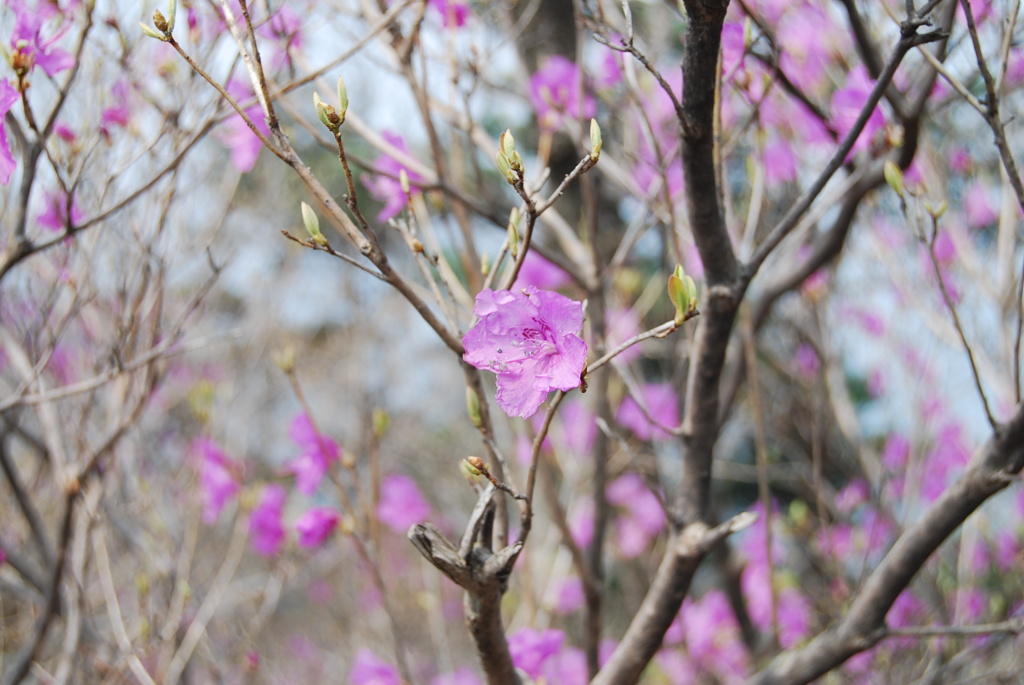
(318, 453)
(806, 363)
(401, 504)
(315, 525)
(895, 452)
(235, 134)
(779, 163)
(847, 103)
(540, 273)
(368, 669)
(642, 518)
(661, 401)
(218, 477)
(581, 522)
(266, 531)
(531, 648)
(55, 214)
(386, 187)
(570, 595)
(980, 210)
(453, 12)
(8, 96)
(555, 91)
(624, 323)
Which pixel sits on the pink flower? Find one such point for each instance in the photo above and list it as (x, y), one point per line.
(530, 340)
(265, 528)
(555, 90)
(979, 208)
(236, 135)
(806, 362)
(217, 478)
(386, 187)
(539, 272)
(55, 216)
(643, 517)
(531, 649)
(847, 103)
(574, 429)
(318, 452)
(120, 113)
(453, 12)
(662, 403)
(28, 48)
(570, 595)
(8, 96)
(895, 452)
(315, 525)
(401, 504)
(779, 163)
(623, 325)
(369, 670)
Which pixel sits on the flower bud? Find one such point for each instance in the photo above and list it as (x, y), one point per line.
(473, 407)
(473, 466)
(285, 358)
(160, 22)
(312, 224)
(937, 212)
(327, 114)
(172, 10)
(682, 291)
(893, 176)
(485, 264)
(380, 421)
(403, 180)
(596, 142)
(513, 239)
(504, 167)
(342, 99)
(507, 144)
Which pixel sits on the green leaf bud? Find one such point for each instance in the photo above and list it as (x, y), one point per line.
(893, 176)
(312, 224)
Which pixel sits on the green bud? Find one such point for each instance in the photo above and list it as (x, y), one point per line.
(799, 513)
(469, 469)
(893, 176)
(403, 180)
(485, 264)
(504, 167)
(937, 212)
(285, 358)
(507, 144)
(682, 291)
(596, 142)
(342, 99)
(513, 239)
(327, 114)
(473, 407)
(380, 421)
(172, 9)
(152, 32)
(312, 224)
